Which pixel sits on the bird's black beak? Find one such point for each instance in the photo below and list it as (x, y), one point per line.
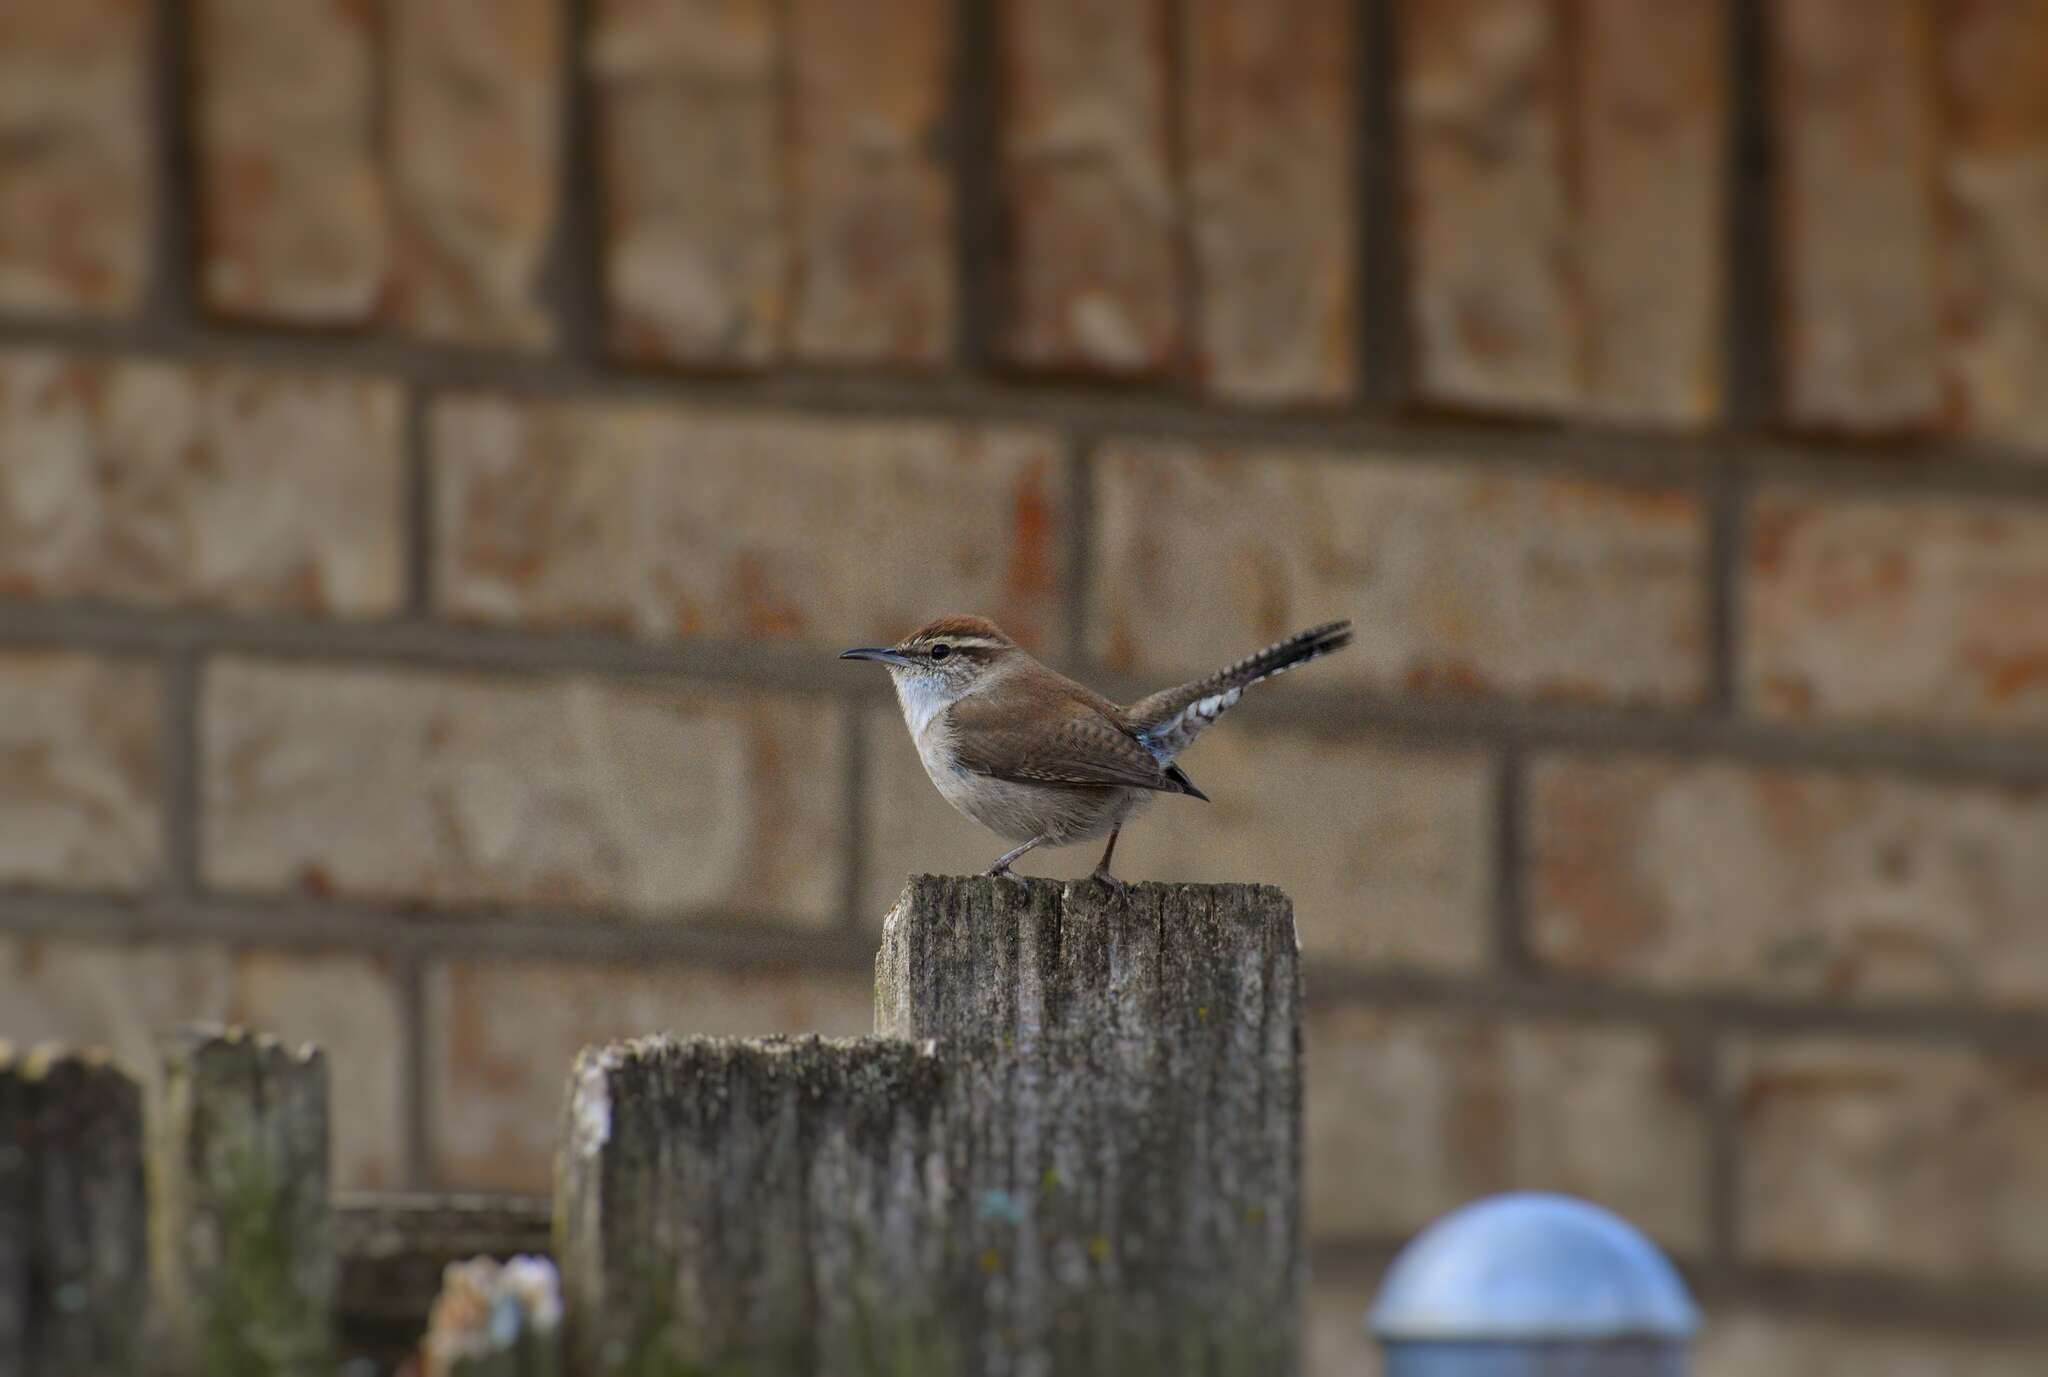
(875, 652)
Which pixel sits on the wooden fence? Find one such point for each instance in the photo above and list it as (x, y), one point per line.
(1073, 1146)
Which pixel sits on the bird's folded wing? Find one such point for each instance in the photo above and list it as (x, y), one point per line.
(1076, 744)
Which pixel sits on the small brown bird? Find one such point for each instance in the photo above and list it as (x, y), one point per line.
(1041, 760)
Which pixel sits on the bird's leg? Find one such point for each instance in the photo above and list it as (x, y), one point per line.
(1101, 872)
(1002, 865)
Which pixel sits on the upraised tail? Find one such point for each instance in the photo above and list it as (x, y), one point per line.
(1171, 719)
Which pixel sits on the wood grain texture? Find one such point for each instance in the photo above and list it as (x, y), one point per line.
(73, 1285)
(1124, 1095)
(1075, 1149)
(770, 1206)
(243, 1256)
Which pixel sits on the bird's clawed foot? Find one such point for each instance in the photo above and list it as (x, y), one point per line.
(1117, 887)
(1101, 875)
(1002, 865)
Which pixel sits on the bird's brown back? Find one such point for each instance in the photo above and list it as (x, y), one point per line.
(1034, 724)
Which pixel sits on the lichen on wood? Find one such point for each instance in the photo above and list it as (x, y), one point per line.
(765, 1207)
(1125, 1096)
(1076, 1150)
(242, 1254)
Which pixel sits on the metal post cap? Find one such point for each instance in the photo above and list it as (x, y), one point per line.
(1532, 1267)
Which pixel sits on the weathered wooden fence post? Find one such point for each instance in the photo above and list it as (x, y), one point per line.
(1095, 1168)
(1125, 1081)
(74, 1283)
(767, 1207)
(243, 1258)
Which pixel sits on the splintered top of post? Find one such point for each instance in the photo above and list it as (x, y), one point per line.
(46, 1060)
(198, 1040)
(662, 1067)
(975, 957)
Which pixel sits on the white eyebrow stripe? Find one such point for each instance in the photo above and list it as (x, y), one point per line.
(965, 642)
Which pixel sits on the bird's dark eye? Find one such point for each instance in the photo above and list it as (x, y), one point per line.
(941, 651)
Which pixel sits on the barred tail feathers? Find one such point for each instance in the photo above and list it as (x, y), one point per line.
(1169, 720)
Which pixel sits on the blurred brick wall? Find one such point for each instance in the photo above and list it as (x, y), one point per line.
(442, 443)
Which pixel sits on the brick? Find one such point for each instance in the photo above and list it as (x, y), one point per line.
(454, 789)
(1414, 1111)
(1483, 129)
(502, 1035)
(1386, 850)
(223, 488)
(1652, 166)
(294, 224)
(1565, 170)
(79, 800)
(1854, 141)
(687, 523)
(1460, 580)
(475, 165)
(1337, 1344)
(1269, 109)
(1756, 1343)
(1091, 212)
(872, 194)
(1909, 1159)
(74, 146)
(126, 995)
(1994, 189)
(1792, 883)
(1835, 587)
(690, 117)
(1383, 849)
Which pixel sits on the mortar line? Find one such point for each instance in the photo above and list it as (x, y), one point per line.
(1080, 571)
(416, 1122)
(419, 506)
(170, 296)
(974, 137)
(1726, 499)
(1566, 61)
(722, 939)
(380, 16)
(1724, 1161)
(1749, 344)
(1509, 946)
(178, 764)
(794, 208)
(1676, 733)
(1903, 471)
(575, 264)
(1380, 306)
(1177, 53)
(1680, 1014)
(856, 835)
(749, 941)
(1475, 444)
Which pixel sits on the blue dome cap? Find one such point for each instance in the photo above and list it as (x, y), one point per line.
(1532, 1267)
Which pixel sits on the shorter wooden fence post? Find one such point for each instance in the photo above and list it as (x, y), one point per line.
(769, 1207)
(243, 1257)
